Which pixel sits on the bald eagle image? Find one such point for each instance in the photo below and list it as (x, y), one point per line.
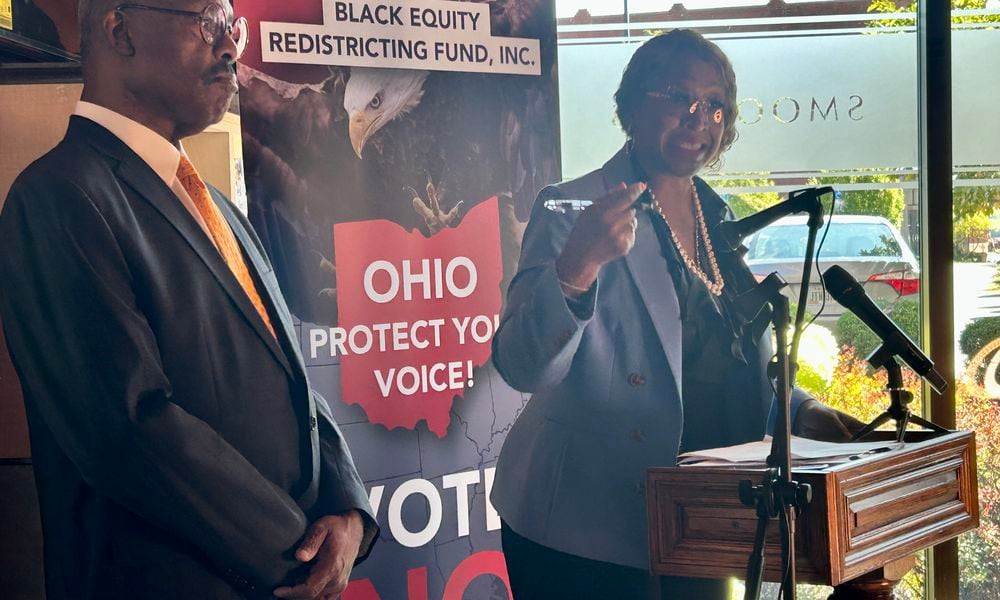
(375, 97)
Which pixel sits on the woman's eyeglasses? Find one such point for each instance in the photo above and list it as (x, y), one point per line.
(678, 100)
(213, 20)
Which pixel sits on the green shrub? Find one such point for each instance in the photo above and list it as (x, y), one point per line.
(851, 331)
(977, 334)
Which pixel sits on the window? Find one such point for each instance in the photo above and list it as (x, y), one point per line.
(975, 35)
(828, 95)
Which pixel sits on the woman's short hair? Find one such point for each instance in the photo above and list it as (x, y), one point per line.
(656, 55)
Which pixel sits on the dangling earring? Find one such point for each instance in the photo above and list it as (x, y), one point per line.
(629, 142)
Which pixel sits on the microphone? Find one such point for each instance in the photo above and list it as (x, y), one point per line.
(751, 302)
(846, 290)
(731, 233)
(752, 305)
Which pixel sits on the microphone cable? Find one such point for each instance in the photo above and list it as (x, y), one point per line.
(819, 248)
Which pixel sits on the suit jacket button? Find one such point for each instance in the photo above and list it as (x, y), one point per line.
(636, 379)
(312, 423)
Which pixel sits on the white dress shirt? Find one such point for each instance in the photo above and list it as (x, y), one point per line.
(155, 150)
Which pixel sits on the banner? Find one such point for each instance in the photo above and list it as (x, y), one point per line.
(393, 150)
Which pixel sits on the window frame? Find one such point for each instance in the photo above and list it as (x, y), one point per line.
(936, 222)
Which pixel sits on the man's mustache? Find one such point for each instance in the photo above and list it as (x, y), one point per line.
(225, 69)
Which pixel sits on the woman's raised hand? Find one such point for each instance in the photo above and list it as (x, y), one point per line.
(603, 232)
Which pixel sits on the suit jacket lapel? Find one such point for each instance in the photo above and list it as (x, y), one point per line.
(650, 271)
(138, 175)
(268, 292)
(652, 278)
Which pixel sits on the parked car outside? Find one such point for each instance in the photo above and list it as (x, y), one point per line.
(867, 247)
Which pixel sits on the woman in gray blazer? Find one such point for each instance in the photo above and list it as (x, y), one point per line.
(631, 349)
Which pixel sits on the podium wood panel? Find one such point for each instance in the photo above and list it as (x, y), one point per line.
(864, 514)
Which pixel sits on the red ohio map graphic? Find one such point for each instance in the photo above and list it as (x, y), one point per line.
(416, 315)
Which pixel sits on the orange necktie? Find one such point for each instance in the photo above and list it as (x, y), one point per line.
(222, 235)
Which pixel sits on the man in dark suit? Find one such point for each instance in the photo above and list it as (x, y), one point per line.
(179, 449)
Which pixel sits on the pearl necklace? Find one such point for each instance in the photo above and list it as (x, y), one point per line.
(716, 283)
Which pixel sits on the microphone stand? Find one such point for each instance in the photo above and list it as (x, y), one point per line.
(885, 357)
(778, 495)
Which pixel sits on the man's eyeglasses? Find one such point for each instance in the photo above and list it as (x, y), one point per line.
(679, 100)
(213, 20)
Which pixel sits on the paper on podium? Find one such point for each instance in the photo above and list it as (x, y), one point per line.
(805, 453)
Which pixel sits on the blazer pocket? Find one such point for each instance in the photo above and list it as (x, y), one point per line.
(556, 442)
(529, 474)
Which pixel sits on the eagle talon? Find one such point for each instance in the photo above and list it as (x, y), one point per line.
(435, 218)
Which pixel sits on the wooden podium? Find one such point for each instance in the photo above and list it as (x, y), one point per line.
(866, 520)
